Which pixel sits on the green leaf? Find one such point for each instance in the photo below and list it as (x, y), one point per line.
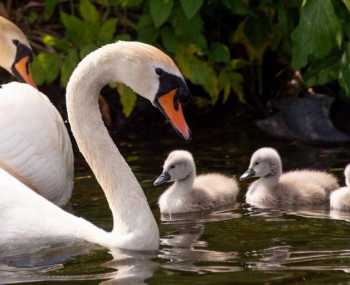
(231, 80)
(160, 11)
(219, 53)
(128, 99)
(50, 6)
(48, 64)
(344, 74)
(107, 30)
(37, 72)
(87, 49)
(123, 37)
(198, 71)
(146, 30)
(237, 7)
(191, 7)
(188, 31)
(347, 4)
(74, 28)
(318, 32)
(169, 39)
(69, 63)
(126, 3)
(88, 11)
(322, 71)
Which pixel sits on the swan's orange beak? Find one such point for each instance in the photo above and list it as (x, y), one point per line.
(173, 111)
(22, 69)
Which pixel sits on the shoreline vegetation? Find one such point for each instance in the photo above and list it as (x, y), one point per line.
(236, 64)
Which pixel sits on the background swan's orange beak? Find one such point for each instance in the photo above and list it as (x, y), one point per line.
(22, 70)
(174, 113)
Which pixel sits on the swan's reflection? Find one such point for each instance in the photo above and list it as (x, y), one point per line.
(184, 251)
(340, 215)
(131, 267)
(125, 268)
(221, 214)
(284, 258)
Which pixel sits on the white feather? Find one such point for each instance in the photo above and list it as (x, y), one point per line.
(34, 143)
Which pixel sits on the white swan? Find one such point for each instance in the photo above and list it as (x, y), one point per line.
(299, 188)
(26, 216)
(340, 198)
(34, 144)
(191, 193)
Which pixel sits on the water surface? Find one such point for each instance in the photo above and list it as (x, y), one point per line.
(239, 245)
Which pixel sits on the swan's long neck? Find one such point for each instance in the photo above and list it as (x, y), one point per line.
(131, 213)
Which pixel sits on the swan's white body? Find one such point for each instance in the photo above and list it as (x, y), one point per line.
(300, 188)
(34, 143)
(340, 198)
(26, 216)
(191, 193)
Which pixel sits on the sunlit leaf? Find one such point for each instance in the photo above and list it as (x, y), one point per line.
(74, 28)
(318, 32)
(191, 7)
(88, 11)
(37, 72)
(160, 11)
(69, 63)
(347, 4)
(107, 30)
(128, 99)
(48, 65)
(198, 71)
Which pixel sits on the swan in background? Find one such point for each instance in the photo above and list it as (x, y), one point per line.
(299, 188)
(26, 217)
(340, 198)
(35, 146)
(191, 193)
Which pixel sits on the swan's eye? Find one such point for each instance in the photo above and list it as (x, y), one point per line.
(172, 167)
(256, 163)
(159, 71)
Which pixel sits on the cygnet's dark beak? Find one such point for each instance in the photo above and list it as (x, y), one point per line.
(163, 178)
(248, 174)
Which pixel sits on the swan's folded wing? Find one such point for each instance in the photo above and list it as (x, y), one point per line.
(34, 141)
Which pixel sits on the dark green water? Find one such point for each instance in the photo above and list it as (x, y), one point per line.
(236, 246)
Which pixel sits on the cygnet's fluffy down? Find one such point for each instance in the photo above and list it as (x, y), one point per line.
(299, 188)
(191, 193)
(340, 198)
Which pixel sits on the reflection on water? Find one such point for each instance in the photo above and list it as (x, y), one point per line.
(238, 245)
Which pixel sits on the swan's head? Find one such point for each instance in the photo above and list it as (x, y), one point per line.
(153, 75)
(15, 51)
(178, 166)
(265, 162)
(347, 175)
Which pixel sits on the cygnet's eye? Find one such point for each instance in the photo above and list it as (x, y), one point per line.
(256, 163)
(172, 166)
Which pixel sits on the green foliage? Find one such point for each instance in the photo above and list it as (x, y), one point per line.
(317, 33)
(214, 43)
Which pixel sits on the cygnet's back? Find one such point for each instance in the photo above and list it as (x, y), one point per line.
(340, 198)
(299, 188)
(191, 193)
